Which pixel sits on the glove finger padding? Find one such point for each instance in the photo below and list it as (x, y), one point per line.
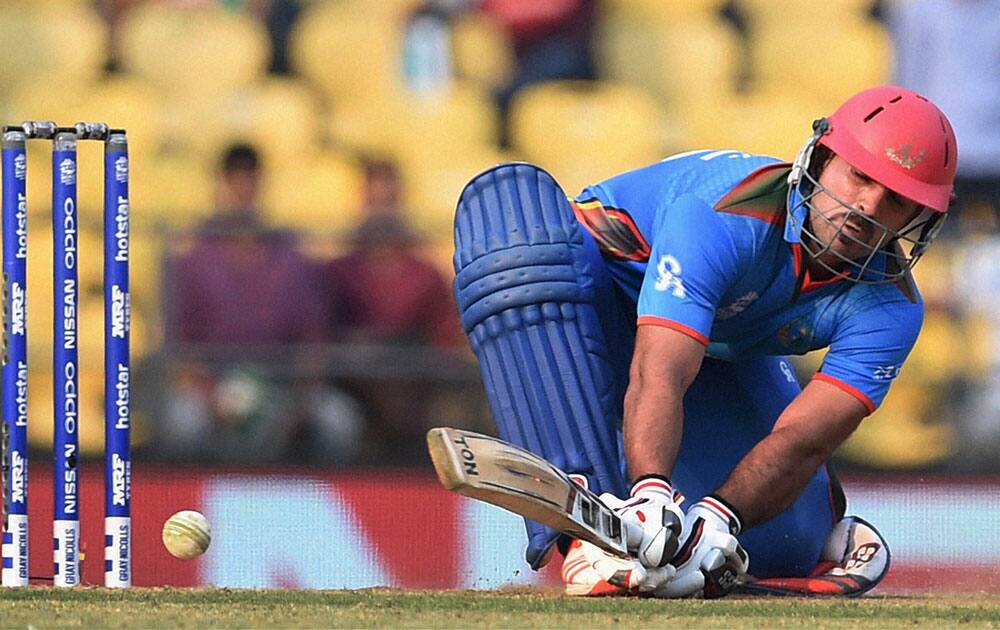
(723, 568)
(689, 584)
(711, 560)
(629, 574)
(652, 520)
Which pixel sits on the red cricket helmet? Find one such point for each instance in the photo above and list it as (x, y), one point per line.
(900, 139)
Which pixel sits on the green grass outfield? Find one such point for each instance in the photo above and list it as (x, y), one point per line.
(225, 608)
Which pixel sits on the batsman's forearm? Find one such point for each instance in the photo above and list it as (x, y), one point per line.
(772, 475)
(651, 431)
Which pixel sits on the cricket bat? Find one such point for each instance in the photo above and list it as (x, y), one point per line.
(491, 470)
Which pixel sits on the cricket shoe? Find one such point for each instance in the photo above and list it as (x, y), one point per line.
(580, 571)
(854, 560)
(589, 571)
(582, 577)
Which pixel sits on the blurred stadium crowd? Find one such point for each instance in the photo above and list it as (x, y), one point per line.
(296, 165)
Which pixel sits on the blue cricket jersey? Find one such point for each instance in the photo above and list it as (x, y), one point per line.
(700, 242)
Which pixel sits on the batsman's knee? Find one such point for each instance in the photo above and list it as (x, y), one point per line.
(517, 244)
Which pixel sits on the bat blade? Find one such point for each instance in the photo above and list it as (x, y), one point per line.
(499, 473)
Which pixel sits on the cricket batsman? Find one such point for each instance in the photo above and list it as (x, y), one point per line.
(635, 337)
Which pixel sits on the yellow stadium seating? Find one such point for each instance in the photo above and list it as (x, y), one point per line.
(665, 9)
(689, 64)
(350, 49)
(464, 116)
(176, 189)
(940, 352)
(586, 131)
(699, 60)
(933, 275)
(34, 101)
(688, 58)
(906, 432)
(61, 45)
(279, 116)
(316, 192)
(434, 179)
(805, 12)
(199, 48)
(909, 430)
(758, 122)
(90, 259)
(482, 51)
(146, 278)
(833, 62)
(129, 103)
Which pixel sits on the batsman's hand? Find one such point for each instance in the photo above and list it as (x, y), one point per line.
(711, 560)
(652, 520)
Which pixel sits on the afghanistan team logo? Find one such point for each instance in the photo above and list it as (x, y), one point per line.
(903, 158)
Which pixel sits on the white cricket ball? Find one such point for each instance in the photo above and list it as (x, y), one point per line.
(187, 534)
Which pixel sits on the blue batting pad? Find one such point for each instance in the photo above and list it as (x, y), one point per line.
(532, 301)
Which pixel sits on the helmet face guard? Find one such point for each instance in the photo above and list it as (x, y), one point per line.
(901, 141)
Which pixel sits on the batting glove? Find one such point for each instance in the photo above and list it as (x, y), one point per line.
(651, 518)
(711, 560)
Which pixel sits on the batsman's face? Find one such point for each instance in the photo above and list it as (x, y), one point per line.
(852, 213)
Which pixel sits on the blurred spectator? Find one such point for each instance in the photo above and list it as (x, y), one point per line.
(113, 11)
(244, 290)
(382, 193)
(385, 295)
(279, 16)
(427, 53)
(242, 283)
(949, 51)
(552, 40)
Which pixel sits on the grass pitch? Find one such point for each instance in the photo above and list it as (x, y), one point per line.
(226, 608)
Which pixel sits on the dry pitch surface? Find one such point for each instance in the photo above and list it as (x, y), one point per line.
(225, 608)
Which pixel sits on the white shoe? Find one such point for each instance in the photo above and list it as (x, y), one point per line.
(582, 578)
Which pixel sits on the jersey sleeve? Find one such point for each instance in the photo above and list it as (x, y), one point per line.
(869, 348)
(693, 261)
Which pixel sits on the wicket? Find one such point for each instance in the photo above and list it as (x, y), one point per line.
(117, 483)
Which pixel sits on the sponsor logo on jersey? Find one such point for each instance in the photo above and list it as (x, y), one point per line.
(886, 372)
(795, 335)
(739, 305)
(668, 276)
(787, 371)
